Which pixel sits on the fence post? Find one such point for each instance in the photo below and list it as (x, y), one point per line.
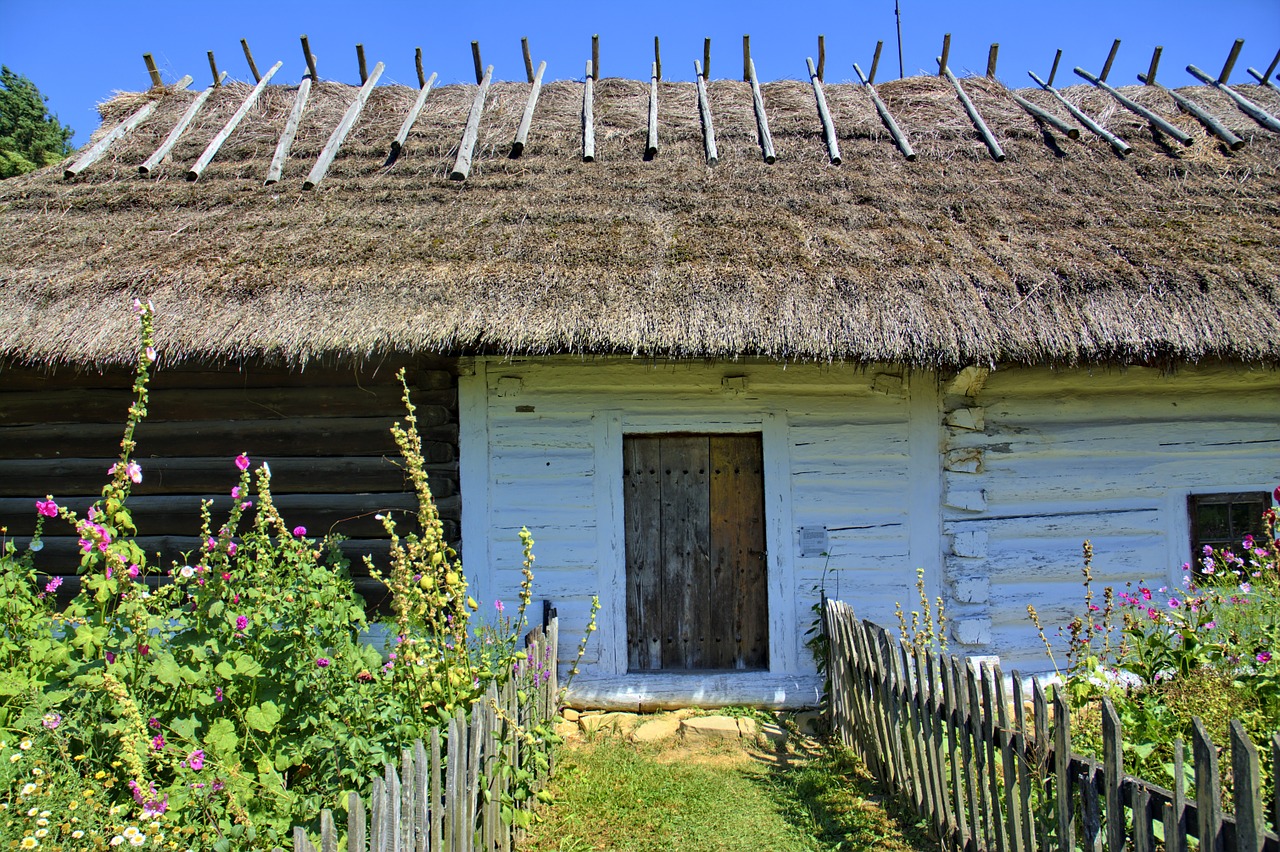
(1208, 806)
(1113, 768)
(1062, 766)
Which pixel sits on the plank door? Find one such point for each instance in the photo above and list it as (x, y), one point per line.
(696, 570)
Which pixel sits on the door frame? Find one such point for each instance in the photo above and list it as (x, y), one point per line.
(610, 425)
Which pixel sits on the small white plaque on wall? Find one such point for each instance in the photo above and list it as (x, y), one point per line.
(813, 541)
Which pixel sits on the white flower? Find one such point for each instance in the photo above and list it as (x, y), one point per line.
(131, 832)
(137, 840)
(27, 790)
(117, 840)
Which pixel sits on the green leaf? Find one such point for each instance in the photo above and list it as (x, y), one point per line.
(263, 717)
(167, 672)
(221, 737)
(185, 728)
(225, 670)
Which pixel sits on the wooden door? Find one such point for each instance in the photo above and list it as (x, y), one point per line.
(696, 569)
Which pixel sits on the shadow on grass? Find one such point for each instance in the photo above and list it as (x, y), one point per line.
(826, 794)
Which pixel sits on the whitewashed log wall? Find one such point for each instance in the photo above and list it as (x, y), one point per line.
(988, 480)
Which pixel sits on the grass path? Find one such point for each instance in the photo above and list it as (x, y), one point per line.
(615, 795)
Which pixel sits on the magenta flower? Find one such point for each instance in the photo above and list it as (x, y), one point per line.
(236, 492)
(157, 742)
(242, 461)
(323, 662)
(47, 507)
(1264, 657)
(231, 548)
(133, 469)
(52, 720)
(196, 760)
(1174, 603)
(1276, 494)
(299, 531)
(498, 606)
(133, 572)
(151, 354)
(52, 585)
(111, 657)
(242, 623)
(217, 694)
(153, 723)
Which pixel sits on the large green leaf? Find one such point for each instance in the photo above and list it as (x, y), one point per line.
(263, 717)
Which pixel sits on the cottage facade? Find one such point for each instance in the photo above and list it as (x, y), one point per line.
(712, 393)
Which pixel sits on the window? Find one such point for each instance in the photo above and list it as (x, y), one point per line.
(1222, 520)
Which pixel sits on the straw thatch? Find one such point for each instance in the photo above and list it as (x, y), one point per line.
(1065, 253)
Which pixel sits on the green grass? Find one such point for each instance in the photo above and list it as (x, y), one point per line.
(618, 796)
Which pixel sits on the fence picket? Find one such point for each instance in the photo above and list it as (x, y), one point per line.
(328, 832)
(1208, 806)
(1246, 772)
(964, 837)
(910, 733)
(355, 823)
(421, 804)
(934, 716)
(436, 831)
(1091, 807)
(1179, 833)
(376, 807)
(1113, 773)
(391, 811)
(977, 731)
(1008, 746)
(1062, 775)
(971, 779)
(1023, 757)
(1143, 838)
(988, 676)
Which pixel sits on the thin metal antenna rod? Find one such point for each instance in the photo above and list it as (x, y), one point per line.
(897, 13)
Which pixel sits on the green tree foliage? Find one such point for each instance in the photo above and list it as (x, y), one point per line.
(29, 136)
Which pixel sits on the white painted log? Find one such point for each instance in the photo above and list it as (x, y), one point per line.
(95, 152)
(704, 110)
(968, 499)
(466, 149)
(276, 170)
(888, 384)
(762, 118)
(589, 117)
(968, 381)
(828, 128)
(1137, 109)
(330, 150)
(1247, 106)
(972, 589)
(997, 153)
(967, 460)
(176, 132)
(971, 544)
(651, 144)
(211, 151)
(414, 112)
(970, 419)
(526, 120)
(899, 138)
(656, 691)
(971, 632)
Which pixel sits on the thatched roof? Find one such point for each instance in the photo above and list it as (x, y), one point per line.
(1064, 253)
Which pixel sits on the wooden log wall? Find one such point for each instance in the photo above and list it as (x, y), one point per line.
(940, 735)
(322, 429)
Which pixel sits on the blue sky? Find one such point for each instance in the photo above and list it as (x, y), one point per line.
(82, 52)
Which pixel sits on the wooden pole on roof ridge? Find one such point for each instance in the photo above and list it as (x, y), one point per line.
(899, 138)
(1150, 79)
(704, 112)
(746, 58)
(1046, 117)
(310, 59)
(1136, 108)
(330, 150)
(1217, 128)
(657, 60)
(364, 70)
(466, 149)
(526, 120)
(176, 132)
(528, 58)
(651, 143)
(875, 63)
(1231, 61)
(1111, 139)
(253, 66)
(1247, 106)
(276, 170)
(946, 53)
(100, 147)
(1111, 57)
(595, 56)
(1053, 72)
(211, 151)
(824, 115)
(152, 70)
(822, 58)
(417, 64)
(706, 58)
(1265, 79)
(475, 57)
(589, 115)
(997, 153)
(992, 53)
(397, 144)
(213, 66)
(762, 118)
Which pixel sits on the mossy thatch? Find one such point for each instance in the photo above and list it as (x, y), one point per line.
(1065, 253)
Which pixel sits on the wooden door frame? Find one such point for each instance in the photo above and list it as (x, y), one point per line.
(610, 425)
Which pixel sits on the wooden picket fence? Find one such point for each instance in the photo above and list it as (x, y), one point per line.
(433, 803)
(943, 735)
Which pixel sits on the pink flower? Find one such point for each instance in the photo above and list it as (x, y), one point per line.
(133, 469)
(157, 742)
(242, 461)
(153, 723)
(143, 650)
(1174, 603)
(217, 694)
(111, 658)
(52, 585)
(323, 662)
(52, 720)
(299, 531)
(242, 622)
(1276, 494)
(498, 606)
(235, 493)
(196, 760)
(231, 548)
(1264, 657)
(47, 507)
(133, 572)
(151, 353)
